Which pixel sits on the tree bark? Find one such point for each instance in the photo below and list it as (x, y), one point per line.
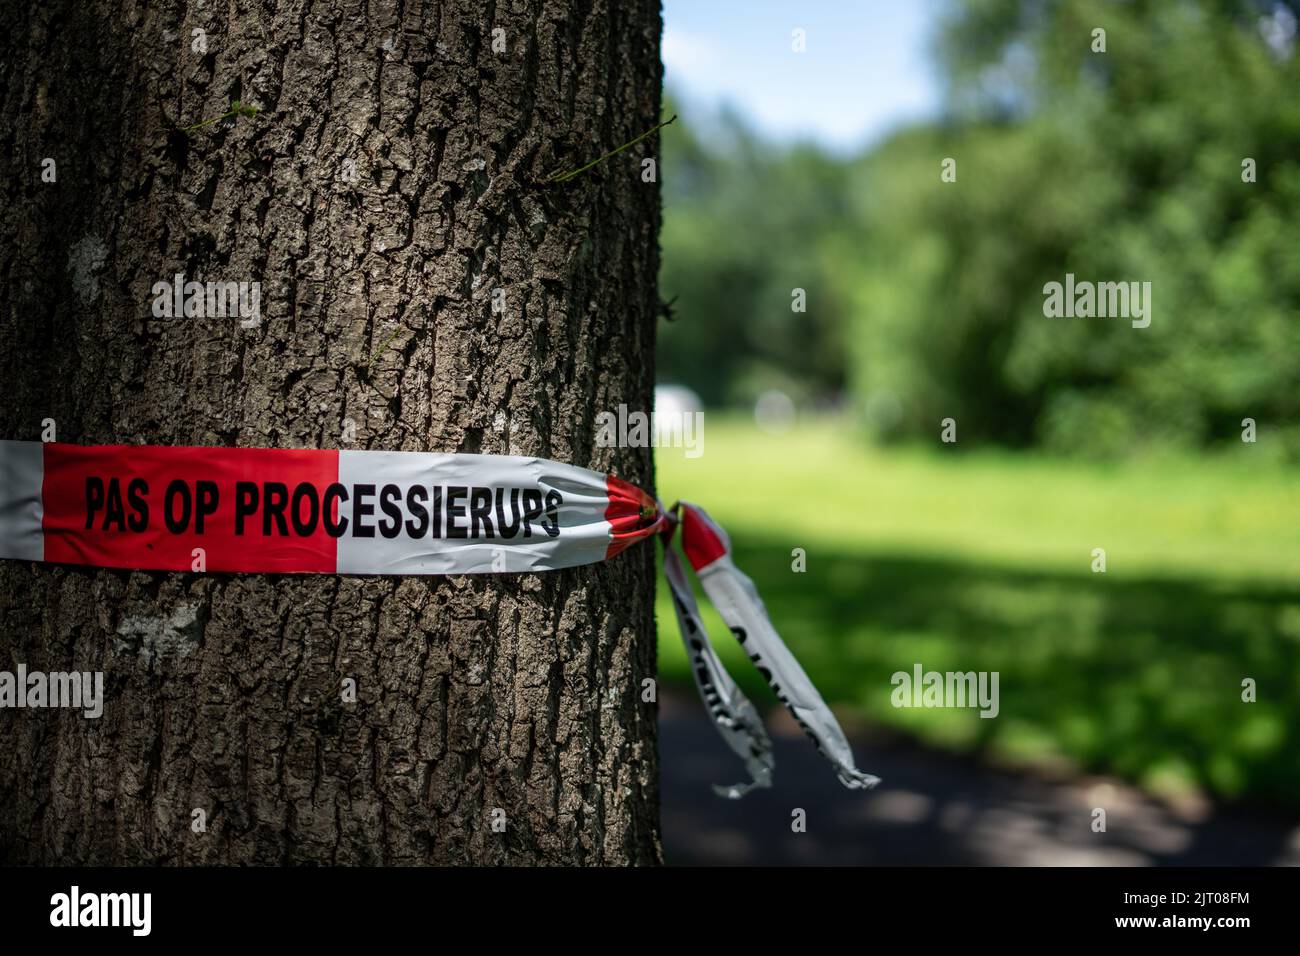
(381, 328)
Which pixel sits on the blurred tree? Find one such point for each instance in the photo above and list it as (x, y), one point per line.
(926, 297)
(746, 229)
(1123, 165)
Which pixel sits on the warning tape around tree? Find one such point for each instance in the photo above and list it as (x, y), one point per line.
(310, 511)
(289, 511)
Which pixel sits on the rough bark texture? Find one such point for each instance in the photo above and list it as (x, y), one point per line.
(518, 692)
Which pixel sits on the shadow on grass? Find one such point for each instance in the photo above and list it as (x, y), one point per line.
(1137, 677)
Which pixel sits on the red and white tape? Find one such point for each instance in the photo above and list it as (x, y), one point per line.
(287, 511)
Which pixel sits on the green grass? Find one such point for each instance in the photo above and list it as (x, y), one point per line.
(983, 561)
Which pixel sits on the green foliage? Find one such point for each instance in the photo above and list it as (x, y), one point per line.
(745, 227)
(926, 297)
(1128, 167)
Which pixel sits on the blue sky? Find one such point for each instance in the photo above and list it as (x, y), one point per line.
(866, 68)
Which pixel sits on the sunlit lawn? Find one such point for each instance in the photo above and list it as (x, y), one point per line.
(984, 562)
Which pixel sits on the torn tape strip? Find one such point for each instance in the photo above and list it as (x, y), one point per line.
(288, 511)
(732, 713)
(708, 549)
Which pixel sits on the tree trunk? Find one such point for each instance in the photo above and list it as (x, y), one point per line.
(446, 298)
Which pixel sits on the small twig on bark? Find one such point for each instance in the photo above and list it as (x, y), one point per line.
(236, 109)
(562, 177)
(383, 348)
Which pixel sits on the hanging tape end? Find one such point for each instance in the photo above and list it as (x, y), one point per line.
(737, 790)
(855, 779)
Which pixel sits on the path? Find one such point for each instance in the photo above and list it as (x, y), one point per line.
(932, 808)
